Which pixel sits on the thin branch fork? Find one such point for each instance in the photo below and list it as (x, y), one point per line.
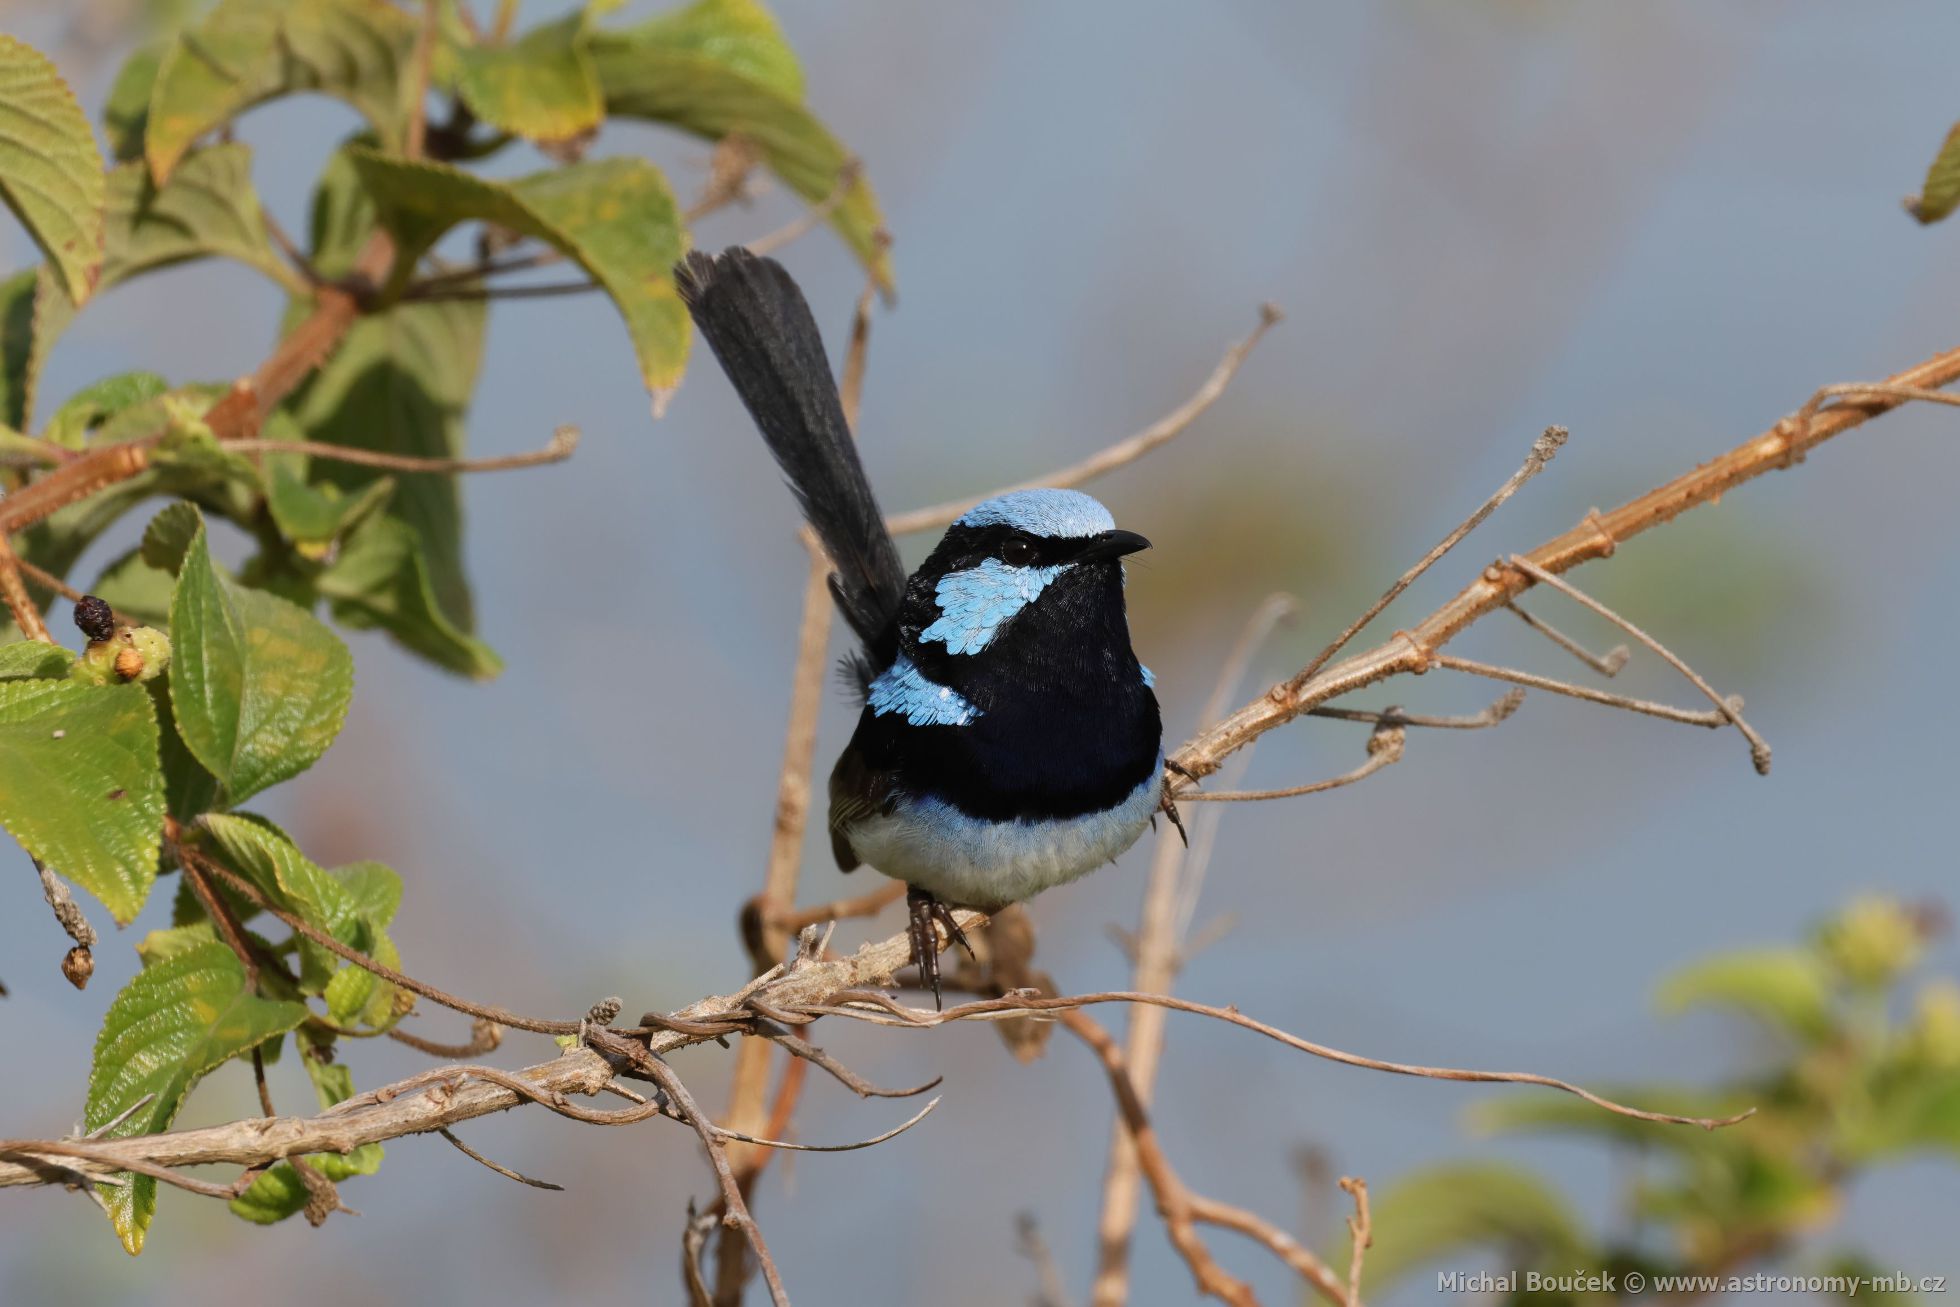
(1597, 535)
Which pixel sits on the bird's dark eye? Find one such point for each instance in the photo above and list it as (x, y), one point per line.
(1017, 552)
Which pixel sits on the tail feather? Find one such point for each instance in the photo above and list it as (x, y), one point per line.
(759, 326)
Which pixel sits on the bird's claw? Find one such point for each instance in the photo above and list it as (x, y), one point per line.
(926, 913)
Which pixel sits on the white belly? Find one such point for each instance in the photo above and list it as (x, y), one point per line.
(985, 864)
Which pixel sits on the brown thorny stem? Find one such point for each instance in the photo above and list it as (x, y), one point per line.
(846, 987)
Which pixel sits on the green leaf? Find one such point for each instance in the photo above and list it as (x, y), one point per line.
(312, 517)
(1786, 989)
(207, 209)
(171, 1025)
(17, 348)
(381, 579)
(127, 113)
(257, 849)
(169, 535)
(614, 217)
(248, 51)
(259, 686)
(34, 660)
(80, 787)
(1941, 192)
(1447, 1211)
(668, 75)
(280, 1193)
(272, 1197)
(94, 404)
(1909, 1113)
(375, 889)
(135, 589)
(740, 35)
(189, 790)
(347, 994)
(162, 945)
(541, 87)
(400, 383)
(50, 170)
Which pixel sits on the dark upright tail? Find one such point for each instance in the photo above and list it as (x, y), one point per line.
(760, 328)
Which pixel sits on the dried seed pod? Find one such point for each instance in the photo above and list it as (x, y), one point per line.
(95, 618)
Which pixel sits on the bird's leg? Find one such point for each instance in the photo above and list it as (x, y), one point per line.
(1168, 807)
(927, 912)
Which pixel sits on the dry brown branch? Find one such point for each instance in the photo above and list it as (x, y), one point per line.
(78, 964)
(498, 1167)
(749, 1084)
(1361, 1234)
(1542, 452)
(1156, 953)
(1385, 745)
(564, 441)
(1298, 1258)
(1595, 537)
(1729, 708)
(1500, 710)
(27, 615)
(868, 904)
(1490, 671)
(879, 1010)
(1173, 1199)
(812, 217)
(418, 88)
(1608, 664)
(1029, 1243)
(1120, 454)
(485, 1037)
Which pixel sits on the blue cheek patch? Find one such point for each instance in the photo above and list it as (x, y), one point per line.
(904, 689)
(974, 604)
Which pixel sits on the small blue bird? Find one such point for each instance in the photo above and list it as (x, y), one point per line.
(1010, 739)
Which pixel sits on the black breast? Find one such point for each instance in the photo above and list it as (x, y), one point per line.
(1067, 725)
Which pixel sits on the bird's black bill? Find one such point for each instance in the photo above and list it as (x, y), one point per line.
(1112, 544)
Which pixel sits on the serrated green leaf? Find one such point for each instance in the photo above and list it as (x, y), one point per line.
(168, 536)
(541, 87)
(313, 516)
(208, 209)
(247, 51)
(740, 35)
(666, 76)
(347, 994)
(1787, 989)
(259, 686)
(17, 348)
(1446, 1211)
(99, 401)
(1941, 192)
(127, 112)
(260, 851)
(381, 579)
(272, 1197)
(169, 1026)
(162, 945)
(189, 790)
(80, 786)
(34, 660)
(50, 170)
(376, 890)
(615, 217)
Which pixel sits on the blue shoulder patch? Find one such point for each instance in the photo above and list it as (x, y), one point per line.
(975, 603)
(1061, 514)
(902, 688)
(1149, 677)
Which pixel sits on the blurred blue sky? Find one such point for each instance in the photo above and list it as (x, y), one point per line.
(1661, 225)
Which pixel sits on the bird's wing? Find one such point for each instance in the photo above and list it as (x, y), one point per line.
(857, 790)
(760, 328)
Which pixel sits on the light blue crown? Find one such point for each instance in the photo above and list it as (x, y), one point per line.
(1060, 514)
